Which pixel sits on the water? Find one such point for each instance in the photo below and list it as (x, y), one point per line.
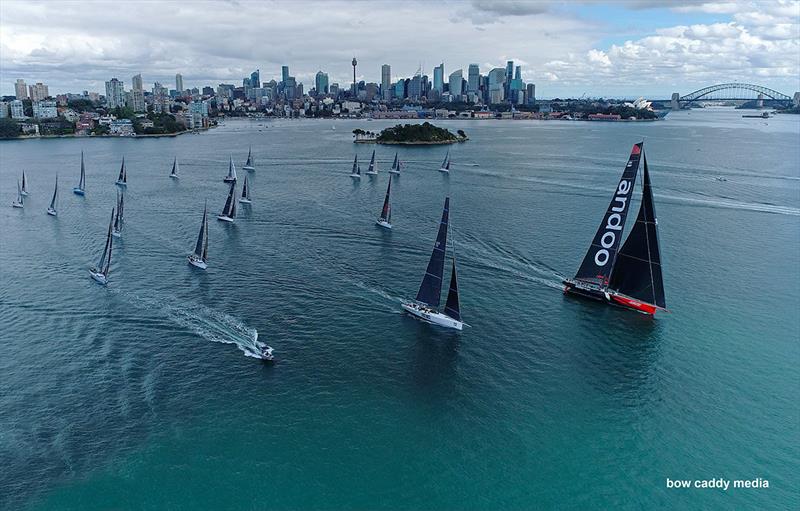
(140, 395)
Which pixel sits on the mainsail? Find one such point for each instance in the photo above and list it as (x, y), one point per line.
(105, 259)
(249, 162)
(372, 163)
(118, 219)
(386, 212)
(24, 183)
(245, 190)
(394, 163)
(55, 196)
(123, 174)
(431, 288)
(599, 261)
(201, 248)
(452, 307)
(20, 197)
(231, 170)
(82, 181)
(356, 168)
(230, 204)
(174, 167)
(637, 270)
(446, 162)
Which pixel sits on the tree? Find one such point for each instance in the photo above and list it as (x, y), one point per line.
(8, 128)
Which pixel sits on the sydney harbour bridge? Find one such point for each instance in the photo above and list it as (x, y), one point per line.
(735, 91)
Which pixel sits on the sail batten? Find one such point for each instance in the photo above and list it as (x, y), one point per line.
(430, 289)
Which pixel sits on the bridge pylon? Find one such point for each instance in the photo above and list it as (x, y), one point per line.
(675, 104)
(796, 99)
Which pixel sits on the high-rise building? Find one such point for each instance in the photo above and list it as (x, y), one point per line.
(45, 109)
(38, 91)
(386, 82)
(509, 77)
(136, 96)
(115, 93)
(334, 90)
(438, 78)
(518, 73)
(400, 89)
(530, 96)
(415, 87)
(284, 74)
(136, 82)
(473, 78)
(321, 83)
(3, 109)
(497, 80)
(179, 84)
(21, 89)
(290, 87)
(17, 109)
(255, 79)
(456, 77)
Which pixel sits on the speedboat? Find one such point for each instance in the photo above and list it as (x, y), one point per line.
(431, 315)
(265, 353)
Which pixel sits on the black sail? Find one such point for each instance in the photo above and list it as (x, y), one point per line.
(431, 288)
(386, 212)
(174, 167)
(637, 272)
(107, 246)
(200, 246)
(205, 238)
(82, 181)
(372, 162)
(55, 195)
(452, 307)
(121, 177)
(226, 211)
(356, 169)
(599, 260)
(245, 191)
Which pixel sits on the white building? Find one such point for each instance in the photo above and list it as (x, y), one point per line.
(21, 89)
(115, 93)
(17, 110)
(3, 110)
(45, 109)
(121, 127)
(38, 91)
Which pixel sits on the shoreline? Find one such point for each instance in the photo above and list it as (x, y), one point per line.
(72, 135)
(433, 142)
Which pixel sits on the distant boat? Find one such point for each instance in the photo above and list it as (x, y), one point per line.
(426, 305)
(385, 220)
(231, 177)
(356, 174)
(446, 163)
(20, 202)
(122, 179)
(333, 128)
(395, 165)
(100, 272)
(174, 173)
(245, 199)
(721, 178)
(24, 190)
(81, 188)
(119, 219)
(373, 169)
(51, 209)
(629, 276)
(248, 166)
(229, 211)
(199, 257)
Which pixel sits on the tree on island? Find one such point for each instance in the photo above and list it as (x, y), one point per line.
(422, 133)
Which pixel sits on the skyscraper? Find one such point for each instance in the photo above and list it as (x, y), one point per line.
(473, 78)
(179, 83)
(438, 78)
(530, 97)
(509, 76)
(38, 91)
(321, 83)
(115, 93)
(284, 73)
(136, 82)
(497, 80)
(355, 85)
(136, 97)
(255, 79)
(518, 73)
(455, 81)
(386, 82)
(21, 89)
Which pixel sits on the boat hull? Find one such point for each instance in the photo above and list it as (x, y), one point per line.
(371, 173)
(383, 223)
(224, 218)
(173, 176)
(394, 172)
(23, 193)
(249, 169)
(609, 297)
(121, 184)
(197, 262)
(355, 176)
(431, 316)
(52, 212)
(98, 277)
(116, 234)
(444, 170)
(228, 179)
(245, 201)
(78, 191)
(16, 204)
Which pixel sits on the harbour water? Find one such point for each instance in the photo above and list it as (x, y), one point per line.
(141, 395)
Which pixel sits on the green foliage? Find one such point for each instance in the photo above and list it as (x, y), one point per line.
(9, 128)
(81, 105)
(100, 130)
(425, 132)
(124, 112)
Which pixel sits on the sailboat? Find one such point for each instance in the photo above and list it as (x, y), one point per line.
(395, 166)
(20, 202)
(81, 188)
(356, 174)
(373, 169)
(426, 305)
(245, 199)
(119, 219)
(229, 211)
(248, 165)
(174, 173)
(446, 163)
(629, 276)
(51, 209)
(24, 190)
(100, 272)
(231, 177)
(385, 220)
(199, 257)
(122, 179)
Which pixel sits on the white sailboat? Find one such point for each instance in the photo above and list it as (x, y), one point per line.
(426, 305)
(245, 198)
(81, 188)
(100, 272)
(356, 173)
(373, 168)
(174, 173)
(20, 202)
(24, 190)
(199, 258)
(122, 179)
(119, 219)
(248, 165)
(51, 209)
(229, 211)
(385, 220)
(446, 163)
(395, 165)
(231, 177)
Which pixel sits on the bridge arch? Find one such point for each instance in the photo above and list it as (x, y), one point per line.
(734, 91)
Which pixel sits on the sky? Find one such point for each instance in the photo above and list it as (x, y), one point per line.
(622, 48)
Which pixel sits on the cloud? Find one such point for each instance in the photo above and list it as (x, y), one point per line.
(511, 7)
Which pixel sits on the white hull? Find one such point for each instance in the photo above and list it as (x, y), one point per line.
(229, 179)
(224, 218)
(444, 170)
(23, 193)
(245, 201)
(99, 277)
(197, 262)
(249, 169)
(384, 224)
(116, 234)
(371, 173)
(174, 176)
(394, 172)
(52, 212)
(122, 184)
(16, 204)
(78, 191)
(355, 176)
(432, 316)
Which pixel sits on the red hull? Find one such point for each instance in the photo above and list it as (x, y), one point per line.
(635, 304)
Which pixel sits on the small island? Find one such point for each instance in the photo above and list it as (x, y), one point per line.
(410, 134)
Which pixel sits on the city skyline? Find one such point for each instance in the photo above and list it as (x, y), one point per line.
(566, 49)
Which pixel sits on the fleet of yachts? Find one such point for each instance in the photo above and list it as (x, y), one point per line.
(623, 274)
